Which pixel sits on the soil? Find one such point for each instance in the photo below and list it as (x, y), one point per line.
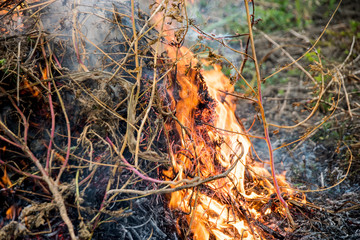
(326, 162)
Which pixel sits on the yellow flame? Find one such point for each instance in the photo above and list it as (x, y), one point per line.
(212, 146)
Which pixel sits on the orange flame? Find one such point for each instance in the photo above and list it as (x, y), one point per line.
(14, 14)
(11, 212)
(35, 92)
(212, 141)
(5, 179)
(213, 151)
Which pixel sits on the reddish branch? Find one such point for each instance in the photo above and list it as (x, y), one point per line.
(19, 171)
(53, 186)
(133, 169)
(266, 129)
(62, 169)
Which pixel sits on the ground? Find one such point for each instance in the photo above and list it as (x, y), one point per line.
(323, 161)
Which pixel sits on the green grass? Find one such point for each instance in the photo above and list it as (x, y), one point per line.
(272, 15)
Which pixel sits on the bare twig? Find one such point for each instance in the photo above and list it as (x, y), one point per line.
(311, 48)
(345, 92)
(51, 184)
(266, 129)
(289, 56)
(350, 53)
(190, 183)
(52, 127)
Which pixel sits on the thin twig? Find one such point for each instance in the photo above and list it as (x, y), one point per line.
(289, 56)
(18, 75)
(52, 127)
(350, 53)
(311, 48)
(266, 128)
(191, 183)
(51, 184)
(345, 92)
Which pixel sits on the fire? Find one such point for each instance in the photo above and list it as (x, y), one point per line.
(11, 212)
(216, 141)
(35, 92)
(14, 11)
(5, 180)
(212, 141)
